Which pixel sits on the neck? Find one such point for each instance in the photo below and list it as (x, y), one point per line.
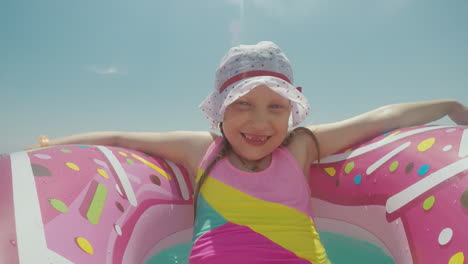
(251, 165)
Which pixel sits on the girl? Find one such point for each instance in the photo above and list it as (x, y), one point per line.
(253, 197)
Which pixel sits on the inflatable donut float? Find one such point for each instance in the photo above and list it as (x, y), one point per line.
(401, 197)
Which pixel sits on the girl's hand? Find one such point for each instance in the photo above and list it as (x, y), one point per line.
(43, 142)
(459, 114)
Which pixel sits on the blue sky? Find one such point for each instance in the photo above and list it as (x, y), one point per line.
(144, 65)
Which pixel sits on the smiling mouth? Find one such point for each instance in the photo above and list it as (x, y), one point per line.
(255, 139)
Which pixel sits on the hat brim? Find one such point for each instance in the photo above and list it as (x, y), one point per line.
(216, 103)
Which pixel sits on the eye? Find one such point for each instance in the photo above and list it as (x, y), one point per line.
(242, 103)
(276, 106)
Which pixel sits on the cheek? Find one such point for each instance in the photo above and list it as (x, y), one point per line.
(229, 128)
(235, 118)
(284, 131)
(283, 127)
(283, 120)
(230, 114)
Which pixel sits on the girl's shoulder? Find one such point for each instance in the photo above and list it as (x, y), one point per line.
(197, 146)
(302, 145)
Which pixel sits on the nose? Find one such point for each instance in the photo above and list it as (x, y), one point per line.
(259, 120)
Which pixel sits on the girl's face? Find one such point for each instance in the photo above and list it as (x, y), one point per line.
(257, 123)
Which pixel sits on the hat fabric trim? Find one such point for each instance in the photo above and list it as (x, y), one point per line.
(250, 74)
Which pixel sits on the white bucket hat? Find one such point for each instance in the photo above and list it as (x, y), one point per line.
(245, 67)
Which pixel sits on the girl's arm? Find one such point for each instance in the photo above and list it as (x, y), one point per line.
(335, 136)
(183, 147)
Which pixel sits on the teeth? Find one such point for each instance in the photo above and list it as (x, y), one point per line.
(255, 138)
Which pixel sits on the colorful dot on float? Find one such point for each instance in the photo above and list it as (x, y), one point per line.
(84, 244)
(458, 258)
(58, 205)
(123, 153)
(447, 148)
(393, 166)
(40, 171)
(94, 212)
(409, 167)
(100, 163)
(330, 171)
(65, 150)
(445, 236)
(151, 165)
(429, 203)
(72, 166)
(357, 179)
(119, 206)
(155, 179)
(349, 167)
(118, 229)
(423, 169)
(42, 156)
(130, 161)
(426, 144)
(103, 173)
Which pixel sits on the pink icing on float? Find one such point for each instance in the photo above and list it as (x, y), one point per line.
(402, 191)
(406, 192)
(95, 204)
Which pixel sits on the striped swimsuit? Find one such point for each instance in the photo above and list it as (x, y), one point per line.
(260, 217)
